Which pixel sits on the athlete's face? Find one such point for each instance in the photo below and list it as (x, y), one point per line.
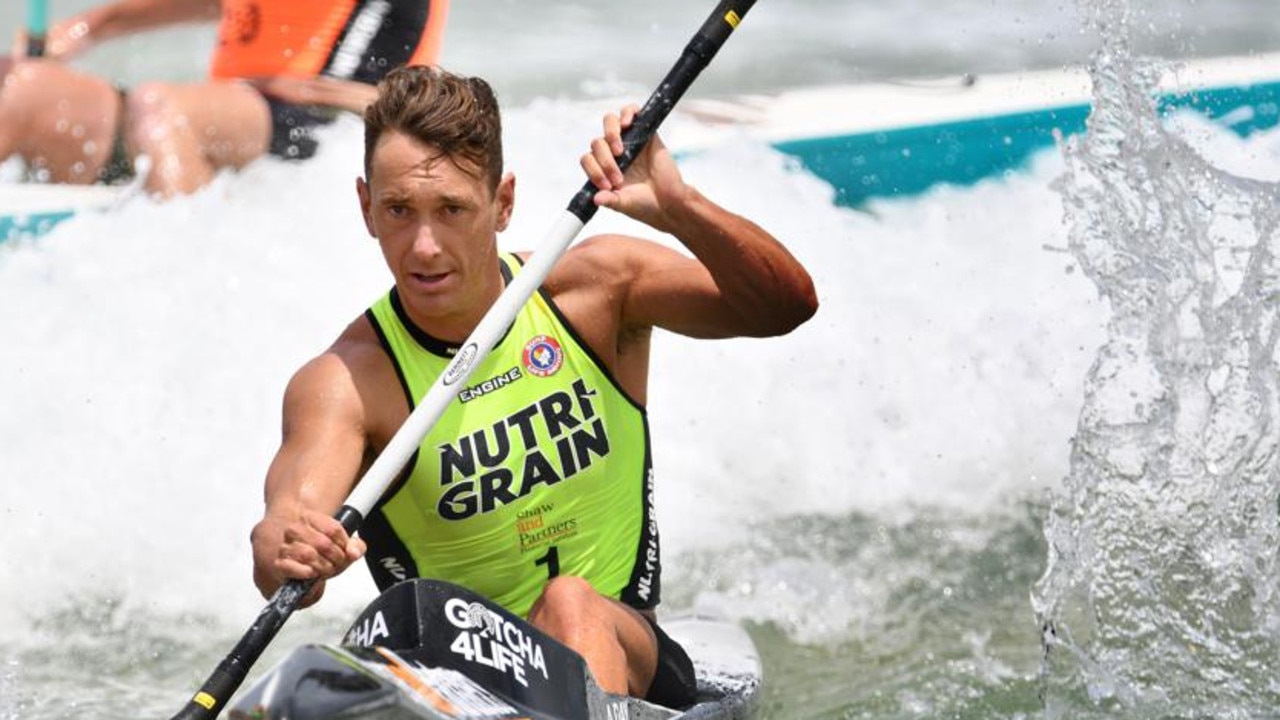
(437, 225)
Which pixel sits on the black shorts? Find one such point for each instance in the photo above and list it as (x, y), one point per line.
(293, 128)
(674, 683)
(119, 166)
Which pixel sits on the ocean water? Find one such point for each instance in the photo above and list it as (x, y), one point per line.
(1020, 464)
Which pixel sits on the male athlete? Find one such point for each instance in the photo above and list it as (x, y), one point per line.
(535, 487)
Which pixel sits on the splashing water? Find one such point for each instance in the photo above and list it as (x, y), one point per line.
(1160, 595)
(864, 495)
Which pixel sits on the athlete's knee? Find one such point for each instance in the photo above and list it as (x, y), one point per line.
(565, 600)
(569, 593)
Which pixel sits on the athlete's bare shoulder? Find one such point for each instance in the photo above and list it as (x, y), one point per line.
(355, 379)
(601, 262)
(592, 285)
(358, 346)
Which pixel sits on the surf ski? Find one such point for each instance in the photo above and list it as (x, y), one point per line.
(431, 650)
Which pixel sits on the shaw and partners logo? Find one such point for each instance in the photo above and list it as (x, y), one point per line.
(489, 639)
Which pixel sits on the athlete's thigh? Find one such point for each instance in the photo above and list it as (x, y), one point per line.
(231, 120)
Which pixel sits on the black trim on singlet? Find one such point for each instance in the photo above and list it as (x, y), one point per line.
(384, 545)
(382, 541)
(429, 342)
(630, 594)
(386, 347)
(381, 48)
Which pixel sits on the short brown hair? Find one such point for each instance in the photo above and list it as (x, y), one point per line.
(457, 115)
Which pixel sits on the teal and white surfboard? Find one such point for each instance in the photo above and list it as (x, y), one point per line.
(901, 138)
(29, 210)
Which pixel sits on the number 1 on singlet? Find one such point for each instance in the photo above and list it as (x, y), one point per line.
(551, 560)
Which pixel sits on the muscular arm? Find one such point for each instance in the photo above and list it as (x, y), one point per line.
(331, 92)
(314, 470)
(124, 17)
(741, 280)
(742, 283)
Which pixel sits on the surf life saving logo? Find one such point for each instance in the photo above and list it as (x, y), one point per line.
(543, 356)
(488, 638)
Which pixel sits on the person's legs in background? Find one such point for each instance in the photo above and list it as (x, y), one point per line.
(62, 122)
(190, 132)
